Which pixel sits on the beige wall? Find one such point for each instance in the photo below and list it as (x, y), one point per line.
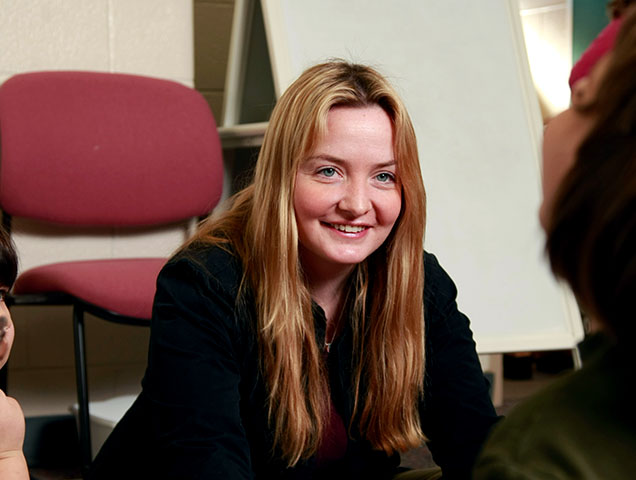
(151, 37)
(148, 37)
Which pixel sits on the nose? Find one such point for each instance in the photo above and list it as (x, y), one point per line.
(355, 200)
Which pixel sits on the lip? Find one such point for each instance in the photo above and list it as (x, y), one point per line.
(356, 230)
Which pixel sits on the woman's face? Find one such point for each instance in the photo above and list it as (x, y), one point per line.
(348, 194)
(564, 134)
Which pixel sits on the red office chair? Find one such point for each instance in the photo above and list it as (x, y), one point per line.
(82, 149)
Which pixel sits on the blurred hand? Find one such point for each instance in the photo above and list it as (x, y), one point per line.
(11, 426)
(13, 464)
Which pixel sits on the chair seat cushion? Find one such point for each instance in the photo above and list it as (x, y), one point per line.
(123, 286)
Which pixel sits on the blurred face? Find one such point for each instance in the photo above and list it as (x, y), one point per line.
(564, 134)
(6, 329)
(348, 194)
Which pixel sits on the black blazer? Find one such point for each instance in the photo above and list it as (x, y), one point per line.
(202, 412)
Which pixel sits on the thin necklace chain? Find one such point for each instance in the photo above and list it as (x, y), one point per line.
(333, 333)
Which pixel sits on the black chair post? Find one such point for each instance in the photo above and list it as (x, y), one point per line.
(82, 389)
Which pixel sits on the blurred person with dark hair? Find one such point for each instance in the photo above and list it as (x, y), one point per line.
(584, 425)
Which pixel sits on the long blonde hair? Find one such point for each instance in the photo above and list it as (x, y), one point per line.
(387, 320)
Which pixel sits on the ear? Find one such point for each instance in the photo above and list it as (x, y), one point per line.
(580, 94)
(585, 90)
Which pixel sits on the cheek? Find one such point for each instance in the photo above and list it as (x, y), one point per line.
(561, 141)
(300, 202)
(392, 207)
(554, 168)
(309, 202)
(4, 311)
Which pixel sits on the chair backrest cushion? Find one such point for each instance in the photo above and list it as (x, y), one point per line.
(105, 149)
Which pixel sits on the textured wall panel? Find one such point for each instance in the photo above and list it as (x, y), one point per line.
(152, 38)
(45, 34)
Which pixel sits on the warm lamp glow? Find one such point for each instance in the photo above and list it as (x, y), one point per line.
(550, 67)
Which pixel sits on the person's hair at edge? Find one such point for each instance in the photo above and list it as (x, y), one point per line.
(592, 233)
(616, 8)
(8, 260)
(388, 365)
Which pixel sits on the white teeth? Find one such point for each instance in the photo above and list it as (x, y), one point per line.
(348, 228)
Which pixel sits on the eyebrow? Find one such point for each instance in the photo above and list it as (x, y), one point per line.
(342, 161)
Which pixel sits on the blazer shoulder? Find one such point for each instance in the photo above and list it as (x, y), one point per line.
(217, 265)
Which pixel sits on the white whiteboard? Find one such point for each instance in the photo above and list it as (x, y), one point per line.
(462, 71)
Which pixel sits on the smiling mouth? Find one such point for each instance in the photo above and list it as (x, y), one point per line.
(348, 228)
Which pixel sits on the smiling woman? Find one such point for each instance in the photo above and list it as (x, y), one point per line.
(347, 199)
(290, 335)
(347, 195)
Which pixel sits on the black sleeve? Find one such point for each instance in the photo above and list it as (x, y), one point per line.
(457, 411)
(193, 376)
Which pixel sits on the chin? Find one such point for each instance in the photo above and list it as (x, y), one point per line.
(348, 260)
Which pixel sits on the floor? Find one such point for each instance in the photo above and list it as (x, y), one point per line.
(514, 392)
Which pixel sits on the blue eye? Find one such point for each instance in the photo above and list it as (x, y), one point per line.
(328, 171)
(385, 177)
